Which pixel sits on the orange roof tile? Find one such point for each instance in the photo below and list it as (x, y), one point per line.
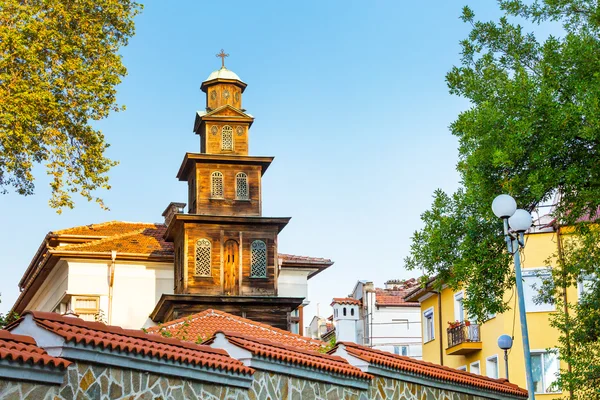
(407, 364)
(345, 300)
(146, 241)
(294, 355)
(136, 342)
(109, 228)
(203, 326)
(24, 349)
(290, 258)
(395, 296)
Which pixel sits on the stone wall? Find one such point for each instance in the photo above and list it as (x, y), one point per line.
(95, 382)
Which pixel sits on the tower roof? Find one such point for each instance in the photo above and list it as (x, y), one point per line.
(223, 73)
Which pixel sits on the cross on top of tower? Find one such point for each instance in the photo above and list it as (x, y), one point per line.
(222, 54)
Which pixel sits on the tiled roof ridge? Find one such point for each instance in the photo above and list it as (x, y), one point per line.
(7, 335)
(501, 383)
(301, 357)
(346, 300)
(41, 316)
(223, 314)
(267, 342)
(104, 239)
(305, 258)
(103, 224)
(24, 349)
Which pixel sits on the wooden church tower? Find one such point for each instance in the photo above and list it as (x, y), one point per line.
(225, 250)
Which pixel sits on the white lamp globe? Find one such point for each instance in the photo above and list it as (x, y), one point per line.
(520, 221)
(504, 206)
(505, 342)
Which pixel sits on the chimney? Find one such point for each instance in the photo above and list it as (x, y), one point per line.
(171, 210)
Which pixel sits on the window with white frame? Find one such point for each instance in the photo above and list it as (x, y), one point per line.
(428, 325)
(585, 284)
(532, 286)
(203, 256)
(216, 185)
(227, 138)
(475, 368)
(544, 367)
(241, 186)
(491, 367)
(459, 308)
(462, 368)
(401, 350)
(258, 259)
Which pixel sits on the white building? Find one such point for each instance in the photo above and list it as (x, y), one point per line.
(118, 271)
(380, 318)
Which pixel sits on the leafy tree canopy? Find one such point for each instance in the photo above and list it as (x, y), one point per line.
(59, 67)
(532, 131)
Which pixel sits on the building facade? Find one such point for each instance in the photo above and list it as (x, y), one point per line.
(451, 339)
(380, 317)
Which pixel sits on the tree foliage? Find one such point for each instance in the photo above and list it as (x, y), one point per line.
(59, 68)
(533, 130)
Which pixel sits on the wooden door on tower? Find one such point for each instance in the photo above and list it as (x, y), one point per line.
(231, 268)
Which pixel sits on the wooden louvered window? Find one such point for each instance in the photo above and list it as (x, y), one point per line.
(217, 185)
(227, 138)
(241, 186)
(258, 262)
(203, 257)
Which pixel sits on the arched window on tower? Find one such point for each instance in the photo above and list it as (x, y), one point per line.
(203, 256)
(241, 186)
(258, 259)
(216, 181)
(227, 138)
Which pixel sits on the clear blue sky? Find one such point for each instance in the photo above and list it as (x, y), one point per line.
(349, 96)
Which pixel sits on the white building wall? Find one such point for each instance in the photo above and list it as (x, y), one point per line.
(394, 327)
(292, 283)
(136, 290)
(52, 290)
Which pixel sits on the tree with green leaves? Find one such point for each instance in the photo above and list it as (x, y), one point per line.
(59, 68)
(532, 131)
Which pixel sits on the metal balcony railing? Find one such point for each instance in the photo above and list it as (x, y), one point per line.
(463, 332)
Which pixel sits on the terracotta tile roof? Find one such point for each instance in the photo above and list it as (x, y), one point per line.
(294, 355)
(407, 364)
(147, 241)
(289, 258)
(345, 300)
(23, 349)
(109, 228)
(386, 297)
(135, 341)
(203, 326)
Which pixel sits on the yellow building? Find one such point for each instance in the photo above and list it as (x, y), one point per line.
(468, 346)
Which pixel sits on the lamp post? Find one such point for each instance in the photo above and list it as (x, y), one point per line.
(505, 343)
(505, 207)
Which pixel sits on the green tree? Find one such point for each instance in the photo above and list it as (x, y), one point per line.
(533, 131)
(59, 68)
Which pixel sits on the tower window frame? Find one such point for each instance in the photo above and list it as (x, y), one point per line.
(227, 138)
(258, 259)
(217, 190)
(242, 189)
(203, 257)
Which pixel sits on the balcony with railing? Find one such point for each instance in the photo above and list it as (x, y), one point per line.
(463, 338)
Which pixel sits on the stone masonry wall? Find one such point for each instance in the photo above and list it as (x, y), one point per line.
(95, 382)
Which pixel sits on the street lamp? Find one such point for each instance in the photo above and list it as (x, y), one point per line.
(505, 343)
(505, 207)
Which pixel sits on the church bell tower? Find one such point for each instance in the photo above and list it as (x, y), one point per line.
(225, 251)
